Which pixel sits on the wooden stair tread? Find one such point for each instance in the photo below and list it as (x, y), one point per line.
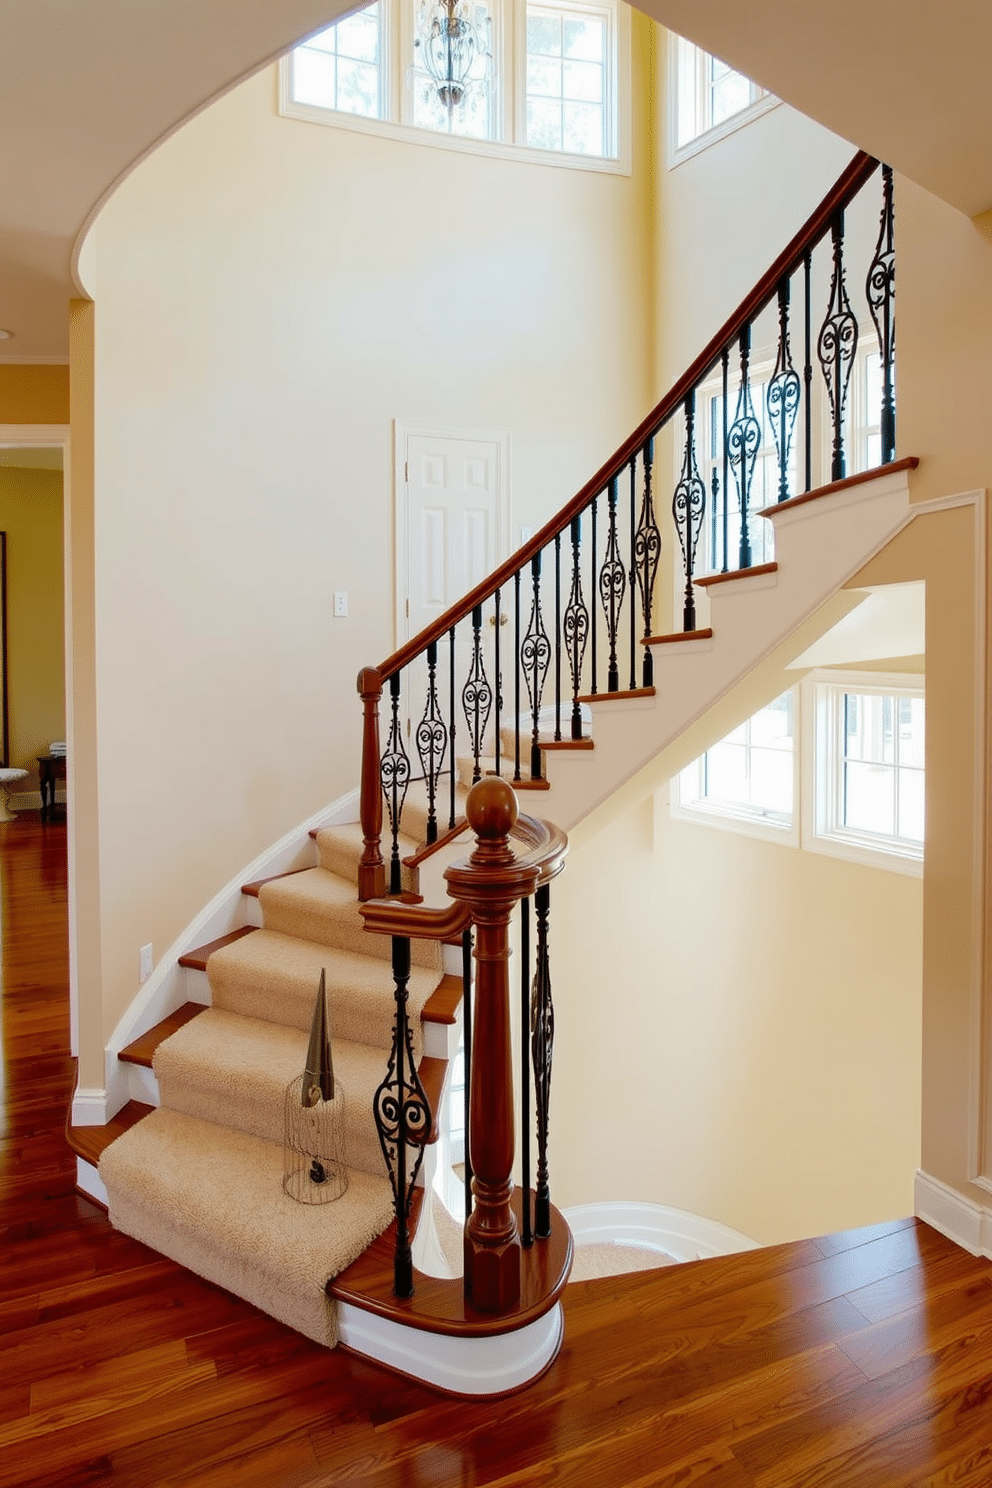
(708, 581)
(430, 848)
(909, 462)
(680, 635)
(251, 889)
(443, 1003)
(141, 1050)
(584, 743)
(616, 697)
(90, 1142)
(197, 959)
(439, 1306)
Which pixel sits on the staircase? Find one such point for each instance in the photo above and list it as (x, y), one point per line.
(196, 1169)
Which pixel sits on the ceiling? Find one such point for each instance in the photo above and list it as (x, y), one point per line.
(87, 90)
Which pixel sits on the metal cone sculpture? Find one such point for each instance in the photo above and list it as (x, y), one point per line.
(318, 1075)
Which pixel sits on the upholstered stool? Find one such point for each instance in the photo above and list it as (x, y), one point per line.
(7, 779)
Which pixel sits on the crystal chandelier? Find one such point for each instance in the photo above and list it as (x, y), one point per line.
(454, 46)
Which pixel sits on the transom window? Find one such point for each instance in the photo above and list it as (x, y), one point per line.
(550, 84)
(710, 98)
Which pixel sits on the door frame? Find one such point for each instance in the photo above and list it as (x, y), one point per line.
(403, 431)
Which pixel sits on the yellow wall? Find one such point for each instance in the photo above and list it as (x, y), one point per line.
(34, 394)
(31, 515)
(737, 1028)
(270, 296)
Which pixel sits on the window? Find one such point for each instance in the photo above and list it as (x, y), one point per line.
(869, 766)
(710, 98)
(749, 776)
(551, 88)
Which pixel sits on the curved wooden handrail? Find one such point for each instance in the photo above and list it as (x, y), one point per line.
(847, 185)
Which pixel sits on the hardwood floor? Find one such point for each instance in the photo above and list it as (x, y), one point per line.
(859, 1359)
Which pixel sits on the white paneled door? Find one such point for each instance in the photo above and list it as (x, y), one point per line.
(452, 531)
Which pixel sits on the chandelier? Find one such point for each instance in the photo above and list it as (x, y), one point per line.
(454, 44)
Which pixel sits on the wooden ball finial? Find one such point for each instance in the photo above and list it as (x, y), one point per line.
(491, 808)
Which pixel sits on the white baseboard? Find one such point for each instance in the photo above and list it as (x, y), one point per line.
(90, 1107)
(672, 1232)
(959, 1218)
(462, 1366)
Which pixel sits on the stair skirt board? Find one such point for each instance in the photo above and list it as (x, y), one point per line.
(674, 1233)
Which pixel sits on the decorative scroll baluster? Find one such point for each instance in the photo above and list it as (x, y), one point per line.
(477, 695)
(542, 1023)
(633, 573)
(576, 629)
(592, 590)
(836, 348)
(647, 553)
(499, 683)
(527, 1232)
(688, 505)
(516, 675)
(612, 588)
(451, 726)
(558, 637)
(880, 288)
(403, 1120)
(395, 780)
(782, 396)
(535, 658)
(744, 443)
(432, 739)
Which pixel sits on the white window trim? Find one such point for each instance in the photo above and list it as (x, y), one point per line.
(676, 153)
(510, 102)
(839, 842)
(742, 819)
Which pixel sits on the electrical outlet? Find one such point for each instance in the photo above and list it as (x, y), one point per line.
(145, 963)
(340, 604)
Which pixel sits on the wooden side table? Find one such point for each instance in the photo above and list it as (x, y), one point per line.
(51, 767)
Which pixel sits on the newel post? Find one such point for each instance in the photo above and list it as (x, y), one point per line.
(371, 869)
(491, 883)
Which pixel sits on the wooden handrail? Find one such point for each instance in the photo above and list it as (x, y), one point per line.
(847, 185)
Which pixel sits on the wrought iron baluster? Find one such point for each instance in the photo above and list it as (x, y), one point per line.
(880, 288)
(725, 372)
(542, 1023)
(836, 348)
(783, 394)
(576, 629)
(451, 725)
(432, 740)
(477, 696)
(808, 367)
(647, 553)
(688, 506)
(744, 443)
(516, 676)
(535, 657)
(633, 572)
(467, 1057)
(557, 637)
(612, 587)
(526, 1232)
(499, 681)
(403, 1120)
(592, 586)
(395, 780)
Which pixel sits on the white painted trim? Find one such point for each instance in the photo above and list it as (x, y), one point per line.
(462, 1366)
(959, 1218)
(676, 154)
(672, 1232)
(403, 432)
(89, 1181)
(166, 989)
(89, 1107)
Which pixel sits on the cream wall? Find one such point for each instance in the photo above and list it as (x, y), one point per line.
(271, 295)
(740, 1035)
(31, 516)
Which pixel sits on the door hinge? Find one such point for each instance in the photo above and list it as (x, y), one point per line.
(408, 609)
(406, 471)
